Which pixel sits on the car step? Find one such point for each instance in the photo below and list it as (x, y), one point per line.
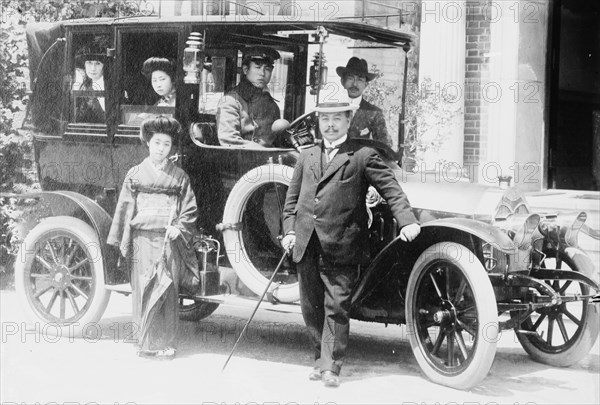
(250, 302)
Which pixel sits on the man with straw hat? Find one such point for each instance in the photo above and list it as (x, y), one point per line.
(325, 224)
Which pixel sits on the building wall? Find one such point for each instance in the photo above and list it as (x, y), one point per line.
(476, 73)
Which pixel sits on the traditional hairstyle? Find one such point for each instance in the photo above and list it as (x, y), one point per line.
(160, 125)
(156, 63)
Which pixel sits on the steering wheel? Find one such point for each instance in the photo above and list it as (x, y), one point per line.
(302, 131)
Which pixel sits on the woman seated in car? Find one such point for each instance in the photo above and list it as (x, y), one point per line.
(89, 79)
(161, 73)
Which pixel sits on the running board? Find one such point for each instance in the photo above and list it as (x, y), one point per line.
(120, 288)
(250, 302)
(226, 299)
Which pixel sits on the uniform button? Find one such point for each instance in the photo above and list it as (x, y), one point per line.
(316, 200)
(314, 216)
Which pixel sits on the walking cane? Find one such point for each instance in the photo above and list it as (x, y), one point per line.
(255, 309)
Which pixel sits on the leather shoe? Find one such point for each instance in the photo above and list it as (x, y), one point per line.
(330, 379)
(315, 374)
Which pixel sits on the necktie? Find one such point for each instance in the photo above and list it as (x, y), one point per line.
(329, 150)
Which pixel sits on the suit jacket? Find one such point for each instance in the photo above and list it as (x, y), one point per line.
(333, 205)
(368, 122)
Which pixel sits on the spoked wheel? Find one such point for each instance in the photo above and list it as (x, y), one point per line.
(193, 310)
(255, 205)
(60, 276)
(451, 316)
(563, 334)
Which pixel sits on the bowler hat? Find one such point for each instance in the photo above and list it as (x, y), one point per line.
(335, 107)
(355, 66)
(258, 53)
(95, 50)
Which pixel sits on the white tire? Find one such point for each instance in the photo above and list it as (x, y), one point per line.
(59, 275)
(452, 317)
(235, 245)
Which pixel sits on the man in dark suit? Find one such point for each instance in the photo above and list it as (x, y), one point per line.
(368, 121)
(325, 223)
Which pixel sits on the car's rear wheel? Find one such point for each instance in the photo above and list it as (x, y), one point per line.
(59, 274)
(451, 316)
(195, 310)
(563, 334)
(252, 227)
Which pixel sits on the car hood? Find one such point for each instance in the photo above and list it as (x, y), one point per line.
(448, 197)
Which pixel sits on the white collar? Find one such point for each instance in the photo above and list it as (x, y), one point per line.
(355, 101)
(335, 143)
(160, 167)
(98, 85)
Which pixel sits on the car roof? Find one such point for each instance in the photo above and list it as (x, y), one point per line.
(275, 24)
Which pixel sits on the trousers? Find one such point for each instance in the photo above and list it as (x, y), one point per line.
(325, 293)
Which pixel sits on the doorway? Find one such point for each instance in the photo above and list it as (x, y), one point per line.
(574, 130)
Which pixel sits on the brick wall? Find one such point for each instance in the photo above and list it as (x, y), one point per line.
(476, 75)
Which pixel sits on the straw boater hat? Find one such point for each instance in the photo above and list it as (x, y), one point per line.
(355, 66)
(335, 107)
(260, 53)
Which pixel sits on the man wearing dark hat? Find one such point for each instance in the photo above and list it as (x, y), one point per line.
(325, 223)
(368, 121)
(246, 113)
(90, 60)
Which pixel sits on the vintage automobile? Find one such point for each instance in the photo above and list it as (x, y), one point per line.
(482, 264)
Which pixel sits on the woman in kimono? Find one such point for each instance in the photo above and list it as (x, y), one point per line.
(156, 205)
(161, 73)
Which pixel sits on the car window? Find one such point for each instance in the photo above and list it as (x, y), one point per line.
(90, 75)
(142, 85)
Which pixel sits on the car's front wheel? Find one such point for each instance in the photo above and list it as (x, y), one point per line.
(563, 334)
(451, 315)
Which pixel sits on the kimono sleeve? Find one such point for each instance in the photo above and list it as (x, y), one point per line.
(120, 234)
(188, 211)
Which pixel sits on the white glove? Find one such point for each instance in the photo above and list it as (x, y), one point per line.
(288, 242)
(410, 232)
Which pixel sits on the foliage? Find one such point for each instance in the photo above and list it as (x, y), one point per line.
(388, 97)
(429, 114)
(17, 174)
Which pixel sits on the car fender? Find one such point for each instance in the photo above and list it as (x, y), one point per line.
(72, 204)
(396, 260)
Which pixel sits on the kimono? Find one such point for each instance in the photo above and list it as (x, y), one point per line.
(145, 204)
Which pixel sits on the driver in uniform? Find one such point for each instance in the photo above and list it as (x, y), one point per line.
(246, 114)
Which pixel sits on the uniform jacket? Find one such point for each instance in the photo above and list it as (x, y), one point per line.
(333, 203)
(245, 114)
(368, 122)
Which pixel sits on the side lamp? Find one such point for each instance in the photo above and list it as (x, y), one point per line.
(193, 58)
(318, 73)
